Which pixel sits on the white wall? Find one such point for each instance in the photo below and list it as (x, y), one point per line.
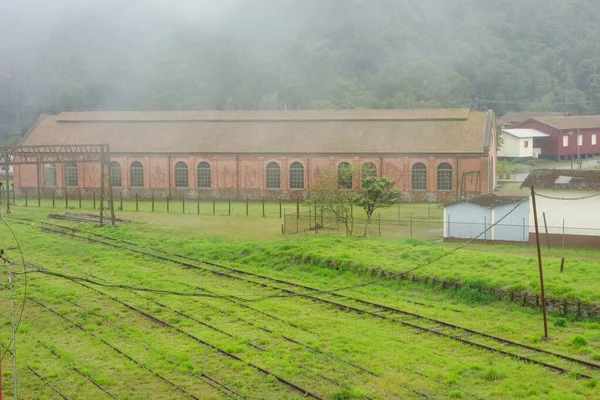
(515, 147)
(581, 217)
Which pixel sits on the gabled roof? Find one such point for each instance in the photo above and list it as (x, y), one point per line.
(525, 133)
(563, 179)
(310, 131)
(512, 118)
(491, 200)
(575, 122)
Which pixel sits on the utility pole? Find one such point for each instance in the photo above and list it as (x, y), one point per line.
(539, 253)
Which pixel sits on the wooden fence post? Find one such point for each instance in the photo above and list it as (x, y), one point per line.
(229, 205)
(121, 200)
(214, 206)
(53, 198)
(183, 202)
(246, 206)
(26, 198)
(137, 204)
(94, 198)
(198, 203)
(152, 201)
(280, 210)
(168, 202)
(66, 198)
(263, 206)
(79, 193)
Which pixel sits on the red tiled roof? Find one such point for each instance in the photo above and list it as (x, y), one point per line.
(576, 122)
(345, 131)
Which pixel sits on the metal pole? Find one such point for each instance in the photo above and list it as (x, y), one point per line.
(53, 198)
(183, 202)
(121, 200)
(39, 196)
(229, 205)
(137, 204)
(67, 198)
(7, 189)
(546, 229)
(152, 201)
(93, 197)
(246, 206)
(263, 207)
(79, 194)
(198, 203)
(26, 198)
(168, 200)
(280, 213)
(539, 253)
(563, 235)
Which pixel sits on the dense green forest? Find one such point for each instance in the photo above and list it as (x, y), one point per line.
(296, 54)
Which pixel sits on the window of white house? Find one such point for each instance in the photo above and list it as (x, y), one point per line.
(593, 139)
(526, 144)
(579, 140)
(565, 141)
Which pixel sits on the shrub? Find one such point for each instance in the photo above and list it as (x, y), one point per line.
(474, 295)
(560, 322)
(578, 342)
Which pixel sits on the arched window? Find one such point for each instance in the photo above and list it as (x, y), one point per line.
(49, 175)
(181, 175)
(369, 170)
(136, 175)
(444, 177)
(297, 176)
(71, 175)
(273, 176)
(344, 176)
(115, 174)
(419, 177)
(204, 180)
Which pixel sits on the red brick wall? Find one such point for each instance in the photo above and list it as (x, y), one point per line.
(244, 175)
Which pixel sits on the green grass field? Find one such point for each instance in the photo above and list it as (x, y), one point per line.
(72, 334)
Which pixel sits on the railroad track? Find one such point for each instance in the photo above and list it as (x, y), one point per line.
(551, 360)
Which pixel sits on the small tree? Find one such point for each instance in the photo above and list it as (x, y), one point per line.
(376, 193)
(334, 192)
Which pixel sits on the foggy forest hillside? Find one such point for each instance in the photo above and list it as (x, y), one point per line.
(296, 54)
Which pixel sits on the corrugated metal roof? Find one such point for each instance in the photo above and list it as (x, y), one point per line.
(525, 133)
(360, 131)
(492, 200)
(563, 179)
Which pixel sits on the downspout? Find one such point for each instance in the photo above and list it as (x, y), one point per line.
(169, 170)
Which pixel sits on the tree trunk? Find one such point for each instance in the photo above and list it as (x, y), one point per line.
(367, 224)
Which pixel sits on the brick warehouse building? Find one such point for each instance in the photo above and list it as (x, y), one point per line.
(432, 154)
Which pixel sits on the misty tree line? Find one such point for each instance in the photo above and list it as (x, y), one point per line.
(301, 54)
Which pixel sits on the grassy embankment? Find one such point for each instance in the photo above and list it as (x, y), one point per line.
(397, 354)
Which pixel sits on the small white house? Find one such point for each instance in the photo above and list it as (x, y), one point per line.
(518, 143)
(502, 218)
(570, 202)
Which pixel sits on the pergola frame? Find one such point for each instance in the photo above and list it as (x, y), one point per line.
(40, 155)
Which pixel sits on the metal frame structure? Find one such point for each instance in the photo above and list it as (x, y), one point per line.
(463, 184)
(40, 155)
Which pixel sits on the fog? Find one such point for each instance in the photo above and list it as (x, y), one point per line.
(296, 54)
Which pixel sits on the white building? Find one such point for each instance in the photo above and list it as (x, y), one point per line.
(518, 143)
(570, 201)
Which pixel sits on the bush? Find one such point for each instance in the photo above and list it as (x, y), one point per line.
(474, 295)
(560, 322)
(579, 342)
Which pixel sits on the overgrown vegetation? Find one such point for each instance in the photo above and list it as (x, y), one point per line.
(403, 359)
